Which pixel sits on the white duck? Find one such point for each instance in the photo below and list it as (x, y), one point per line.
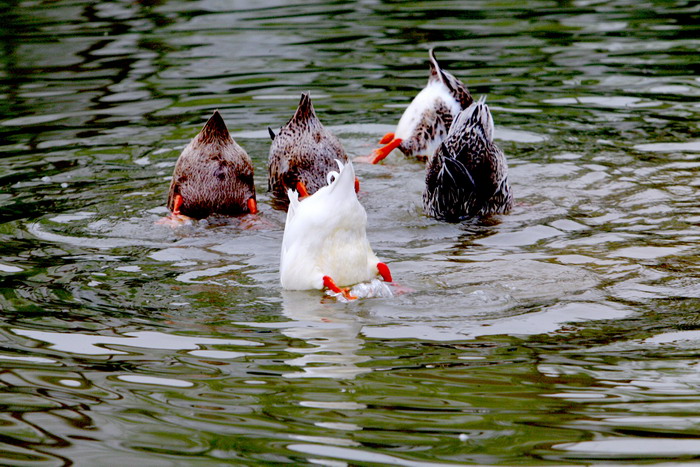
(325, 240)
(426, 121)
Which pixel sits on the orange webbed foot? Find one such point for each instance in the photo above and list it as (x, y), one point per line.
(177, 204)
(381, 153)
(384, 272)
(390, 142)
(330, 285)
(176, 218)
(252, 206)
(386, 138)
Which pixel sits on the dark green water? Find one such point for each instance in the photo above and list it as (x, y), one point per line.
(565, 333)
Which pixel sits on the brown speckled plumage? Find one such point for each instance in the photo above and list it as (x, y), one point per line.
(303, 151)
(468, 175)
(434, 124)
(214, 175)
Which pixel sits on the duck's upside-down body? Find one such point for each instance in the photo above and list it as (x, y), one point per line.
(213, 176)
(325, 242)
(427, 119)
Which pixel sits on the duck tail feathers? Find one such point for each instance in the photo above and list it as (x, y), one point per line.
(214, 130)
(475, 118)
(458, 90)
(305, 110)
(344, 179)
(293, 204)
(435, 69)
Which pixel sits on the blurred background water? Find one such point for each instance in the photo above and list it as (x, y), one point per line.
(563, 333)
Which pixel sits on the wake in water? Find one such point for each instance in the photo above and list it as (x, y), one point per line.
(373, 289)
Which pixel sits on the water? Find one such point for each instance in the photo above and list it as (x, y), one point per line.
(563, 333)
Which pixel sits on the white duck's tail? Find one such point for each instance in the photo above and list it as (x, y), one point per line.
(458, 90)
(293, 204)
(343, 181)
(341, 184)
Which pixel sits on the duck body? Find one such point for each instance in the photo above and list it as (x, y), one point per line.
(302, 153)
(427, 119)
(468, 175)
(213, 175)
(325, 241)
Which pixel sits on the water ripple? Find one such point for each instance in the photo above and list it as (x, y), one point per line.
(561, 333)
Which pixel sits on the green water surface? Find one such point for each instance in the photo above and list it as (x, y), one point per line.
(563, 333)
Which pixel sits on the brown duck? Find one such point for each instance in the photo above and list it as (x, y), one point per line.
(302, 154)
(213, 175)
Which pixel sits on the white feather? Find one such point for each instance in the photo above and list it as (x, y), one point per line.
(429, 98)
(325, 235)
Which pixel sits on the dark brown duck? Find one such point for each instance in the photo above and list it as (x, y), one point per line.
(467, 176)
(213, 175)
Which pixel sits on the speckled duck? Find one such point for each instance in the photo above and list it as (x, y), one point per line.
(467, 177)
(213, 175)
(426, 121)
(302, 154)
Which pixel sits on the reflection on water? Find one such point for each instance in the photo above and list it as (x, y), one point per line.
(331, 336)
(89, 345)
(562, 333)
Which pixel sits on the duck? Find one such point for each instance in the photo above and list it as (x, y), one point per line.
(302, 153)
(324, 245)
(467, 177)
(426, 121)
(213, 175)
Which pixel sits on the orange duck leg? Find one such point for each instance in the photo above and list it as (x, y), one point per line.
(301, 189)
(384, 272)
(252, 206)
(381, 153)
(330, 285)
(386, 138)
